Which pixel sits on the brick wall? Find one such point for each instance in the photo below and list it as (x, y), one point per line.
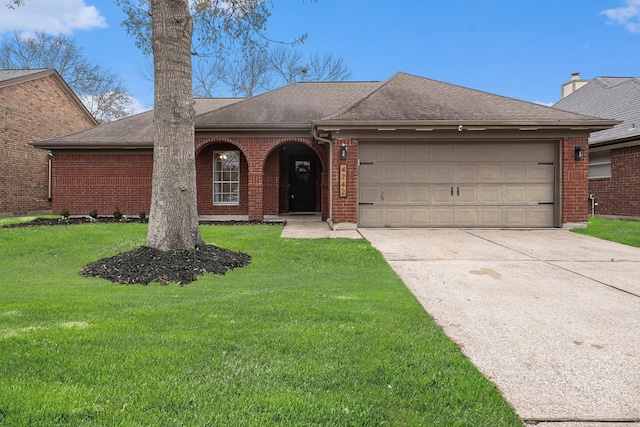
(266, 190)
(32, 111)
(620, 194)
(102, 181)
(345, 209)
(575, 187)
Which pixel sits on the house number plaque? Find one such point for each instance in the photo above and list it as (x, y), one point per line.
(343, 180)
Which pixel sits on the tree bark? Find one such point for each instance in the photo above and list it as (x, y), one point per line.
(173, 219)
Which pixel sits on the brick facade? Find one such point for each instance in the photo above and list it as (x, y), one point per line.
(575, 189)
(86, 181)
(345, 209)
(619, 195)
(103, 181)
(32, 110)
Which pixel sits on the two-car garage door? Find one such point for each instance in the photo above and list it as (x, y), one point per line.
(454, 184)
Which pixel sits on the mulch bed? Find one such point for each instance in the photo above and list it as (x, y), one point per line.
(146, 265)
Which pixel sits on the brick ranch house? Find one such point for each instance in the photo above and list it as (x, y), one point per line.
(408, 152)
(614, 154)
(34, 105)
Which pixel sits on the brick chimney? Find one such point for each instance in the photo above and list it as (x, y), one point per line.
(573, 85)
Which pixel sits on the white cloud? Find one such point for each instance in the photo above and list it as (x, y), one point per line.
(54, 17)
(627, 16)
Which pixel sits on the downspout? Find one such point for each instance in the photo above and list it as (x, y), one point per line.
(49, 192)
(316, 137)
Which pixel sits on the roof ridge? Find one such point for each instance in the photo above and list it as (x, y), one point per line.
(358, 102)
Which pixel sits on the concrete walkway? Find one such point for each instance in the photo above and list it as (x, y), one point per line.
(551, 317)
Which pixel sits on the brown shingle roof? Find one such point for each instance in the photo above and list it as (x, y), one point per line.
(132, 131)
(295, 104)
(405, 97)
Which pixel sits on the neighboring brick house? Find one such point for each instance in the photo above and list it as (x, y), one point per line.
(408, 152)
(614, 154)
(34, 105)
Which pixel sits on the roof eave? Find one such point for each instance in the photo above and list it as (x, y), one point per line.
(75, 145)
(582, 125)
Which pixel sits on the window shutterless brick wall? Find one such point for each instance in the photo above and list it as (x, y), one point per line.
(83, 182)
(31, 111)
(345, 209)
(620, 194)
(575, 187)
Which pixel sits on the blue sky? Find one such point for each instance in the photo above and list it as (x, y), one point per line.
(523, 49)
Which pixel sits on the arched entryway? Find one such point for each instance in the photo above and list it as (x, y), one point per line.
(294, 180)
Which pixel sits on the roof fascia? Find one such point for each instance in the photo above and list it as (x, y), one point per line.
(428, 125)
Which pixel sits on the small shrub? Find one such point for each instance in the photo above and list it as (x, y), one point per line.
(143, 215)
(94, 213)
(117, 214)
(64, 213)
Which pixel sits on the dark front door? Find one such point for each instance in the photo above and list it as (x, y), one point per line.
(302, 184)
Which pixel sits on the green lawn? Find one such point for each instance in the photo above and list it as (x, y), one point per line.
(627, 232)
(313, 332)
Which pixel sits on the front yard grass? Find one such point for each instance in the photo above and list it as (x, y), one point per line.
(621, 231)
(312, 332)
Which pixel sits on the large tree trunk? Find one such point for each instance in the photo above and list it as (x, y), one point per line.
(173, 220)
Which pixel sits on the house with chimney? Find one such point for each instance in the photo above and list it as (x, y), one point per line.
(614, 154)
(405, 152)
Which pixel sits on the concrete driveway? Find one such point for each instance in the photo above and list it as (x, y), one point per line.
(551, 317)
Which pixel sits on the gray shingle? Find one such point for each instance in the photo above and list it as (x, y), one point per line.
(615, 98)
(14, 74)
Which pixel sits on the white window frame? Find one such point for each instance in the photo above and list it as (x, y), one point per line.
(226, 178)
(600, 164)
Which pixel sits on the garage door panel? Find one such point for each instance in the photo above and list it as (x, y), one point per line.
(501, 184)
(418, 153)
(490, 216)
(466, 173)
(466, 195)
(515, 216)
(465, 153)
(393, 173)
(540, 216)
(419, 216)
(490, 195)
(514, 152)
(466, 216)
(441, 153)
(514, 172)
(442, 217)
(490, 153)
(489, 173)
(442, 173)
(418, 195)
(540, 152)
(370, 174)
(540, 173)
(369, 194)
(514, 195)
(539, 194)
(370, 216)
(394, 217)
(418, 173)
(441, 195)
(392, 195)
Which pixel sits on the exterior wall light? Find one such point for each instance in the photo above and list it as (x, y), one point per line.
(579, 154)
